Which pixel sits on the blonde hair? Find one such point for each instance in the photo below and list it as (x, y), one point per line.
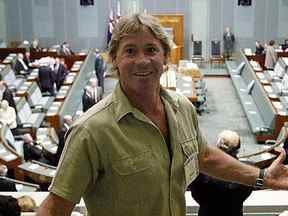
(136, 23)
(26, 203)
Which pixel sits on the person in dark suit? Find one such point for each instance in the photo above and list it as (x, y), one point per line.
(92, 94)
(27, 59)
(67, 122)
(206, 190)
(285, 46)
(60, 73)
(46, 78)
(99, 68)
(20, 66)
(229, 40)
(32, 151)
(6, 93)
(259, 48)
(5, 185)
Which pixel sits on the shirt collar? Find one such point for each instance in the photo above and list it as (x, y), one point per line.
(123, 106)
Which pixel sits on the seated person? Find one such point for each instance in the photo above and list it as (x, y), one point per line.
(67, 122)
(65, 49)
(35, 46)
(6, 93)
(27, 59)
(20, 66)
(60, 73)
(92, 94)
(206, 190)
(259, 48)
(33, 151)
(7, 115)
(14, 206)
(285, 46)
(5, 185)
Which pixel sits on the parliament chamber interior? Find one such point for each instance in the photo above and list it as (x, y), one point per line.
(48, 79)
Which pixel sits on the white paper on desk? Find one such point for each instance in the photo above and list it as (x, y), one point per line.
(51, 113)
(277, 105)
(47, 142)
(187, 85)
(53, 108)
(268, 88)
(10, 157)
(265, 156)
(260, 75)
(19, 187)
(282, 113)
(65, 87)
(52, 173)
(56, 103)
(34, 166)
(186, 92)
(187, 78)
(2, 150)
(54, 148)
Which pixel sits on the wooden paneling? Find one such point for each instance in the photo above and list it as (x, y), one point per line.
(176, 22)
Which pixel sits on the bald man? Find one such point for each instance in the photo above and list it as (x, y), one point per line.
(206, 190)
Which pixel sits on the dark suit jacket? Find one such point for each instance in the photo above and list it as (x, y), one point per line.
(259, 50)
(27, 61)
(88, 101)
(60, 76)
(99, 69)
(8, 96)
(217, 197)
(61, 135)
(31, 152)
(6, 185)
(19, 67)
(46, 79)
(9, 206)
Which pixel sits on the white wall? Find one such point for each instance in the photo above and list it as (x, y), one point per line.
(2, 21)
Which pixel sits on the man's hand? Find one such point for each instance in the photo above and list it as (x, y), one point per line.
(277, 174)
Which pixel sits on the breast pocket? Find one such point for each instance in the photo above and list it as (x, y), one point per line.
(134, 164)
(134, 179)
(191, 164)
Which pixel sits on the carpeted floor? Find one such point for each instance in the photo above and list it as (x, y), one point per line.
(224, 111)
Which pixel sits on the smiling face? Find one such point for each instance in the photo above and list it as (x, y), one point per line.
(139, 61)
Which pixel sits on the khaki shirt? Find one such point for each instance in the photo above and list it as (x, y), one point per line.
(118, 161)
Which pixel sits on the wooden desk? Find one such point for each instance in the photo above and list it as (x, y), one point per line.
(4, 52)
(52, 116)
(39, 172)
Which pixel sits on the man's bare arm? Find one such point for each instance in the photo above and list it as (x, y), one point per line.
(216, 163)
(54, 205)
